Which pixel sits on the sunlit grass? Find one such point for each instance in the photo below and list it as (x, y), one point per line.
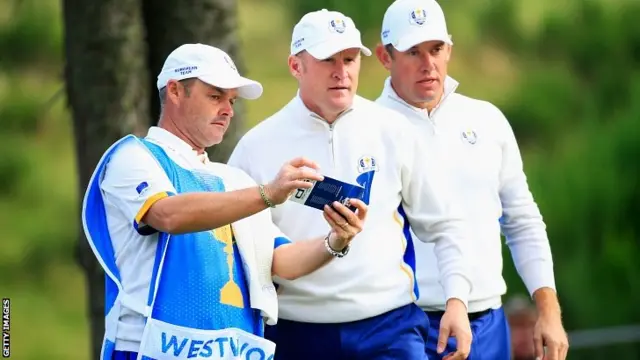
(50, 322)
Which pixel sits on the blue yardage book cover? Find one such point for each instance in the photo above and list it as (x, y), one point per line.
(326, 192)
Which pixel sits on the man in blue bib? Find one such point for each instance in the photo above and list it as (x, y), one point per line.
(188, 246)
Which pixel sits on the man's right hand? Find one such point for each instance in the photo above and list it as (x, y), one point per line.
(292, 176)
(455, 322)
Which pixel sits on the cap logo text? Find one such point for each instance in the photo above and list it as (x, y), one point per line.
(185, 70)
(298, 43)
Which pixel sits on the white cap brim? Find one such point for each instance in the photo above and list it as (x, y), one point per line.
(418, 37)
(247, 88)
(327, 49)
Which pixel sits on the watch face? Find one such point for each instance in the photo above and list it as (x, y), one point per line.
(342, 253)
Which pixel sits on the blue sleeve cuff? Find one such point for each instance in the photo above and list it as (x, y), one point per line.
(277, 242)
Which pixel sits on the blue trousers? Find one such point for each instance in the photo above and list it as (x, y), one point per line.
(399, 334)
(124, 355)
(491, 338)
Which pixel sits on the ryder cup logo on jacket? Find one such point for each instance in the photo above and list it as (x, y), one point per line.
(367, 163)
(470, 136)
(418, 16)
(337, 25)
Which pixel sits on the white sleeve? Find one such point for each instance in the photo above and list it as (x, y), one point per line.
(435, 217)
(133, 182)
(239, 159)
(521, 221)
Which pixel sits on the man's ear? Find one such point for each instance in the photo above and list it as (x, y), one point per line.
(173, 91)
(383, 56)
(295, 66)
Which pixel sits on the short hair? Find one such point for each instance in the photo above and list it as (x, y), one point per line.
(162, 93)
(389, 49)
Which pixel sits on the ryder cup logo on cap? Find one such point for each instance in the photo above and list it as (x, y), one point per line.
(408, 23)
(418, 17)
(211, 66)
(324, 33)
(337, 25)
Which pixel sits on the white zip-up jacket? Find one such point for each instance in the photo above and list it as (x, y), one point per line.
(378, 274)
(485, 171)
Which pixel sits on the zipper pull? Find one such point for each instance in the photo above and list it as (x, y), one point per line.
(434, 129)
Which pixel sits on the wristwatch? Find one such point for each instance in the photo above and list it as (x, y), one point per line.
(338, 254)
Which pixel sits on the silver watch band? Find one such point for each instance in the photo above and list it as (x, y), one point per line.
(338, 254)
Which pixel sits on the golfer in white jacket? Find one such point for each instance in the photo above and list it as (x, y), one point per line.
(360, 306)
(485, 170)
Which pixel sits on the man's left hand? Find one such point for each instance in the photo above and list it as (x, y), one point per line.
(455, 322)
(550, 333)
(345, 224)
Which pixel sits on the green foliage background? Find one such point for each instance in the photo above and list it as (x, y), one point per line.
(566, 74)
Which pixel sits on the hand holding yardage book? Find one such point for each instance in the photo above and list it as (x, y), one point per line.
(300, 181)
(327, 191)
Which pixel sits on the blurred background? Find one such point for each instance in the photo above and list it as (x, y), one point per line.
(76, 75)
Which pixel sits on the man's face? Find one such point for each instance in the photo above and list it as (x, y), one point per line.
(327, 86)
(204, 111)
(418, 74)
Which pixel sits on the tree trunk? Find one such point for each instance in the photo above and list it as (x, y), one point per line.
(171, 23)
(106, 79)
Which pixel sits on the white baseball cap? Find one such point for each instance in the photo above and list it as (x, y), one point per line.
(408, 23)
(209, 64)
(324, 33)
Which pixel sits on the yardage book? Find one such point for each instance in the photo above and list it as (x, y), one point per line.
(326, 192)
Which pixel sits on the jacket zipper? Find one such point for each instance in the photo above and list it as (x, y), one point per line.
(333, 154)
(331, 139)
(432, 122)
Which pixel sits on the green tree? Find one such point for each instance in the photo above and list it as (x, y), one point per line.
(170, 23)
(575, 107)
(105, 76)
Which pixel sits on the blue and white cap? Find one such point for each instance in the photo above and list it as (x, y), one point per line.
(209, 64)
(324, 33)
(408, 23)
